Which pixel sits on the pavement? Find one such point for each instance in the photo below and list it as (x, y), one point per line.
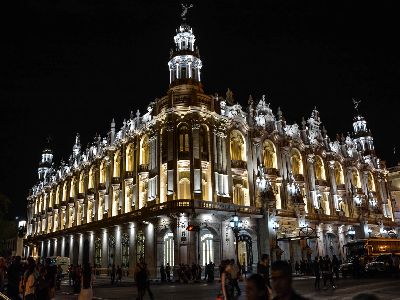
(385, 288)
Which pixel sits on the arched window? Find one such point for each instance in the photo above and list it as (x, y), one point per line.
(269, 155)
(203, 141)
(319, 168)
(237, 146)
(97, 253)
(103, 172)
(164, 145)
(111, 250)
(129, 158)
(140, 253)
(355, 178)
(82, 182)
(207, 247)
(339, 177)
(238, 194)
(371, 182)
(58, 194)
(144, 150)
(117, 164)
(183, 141)
(72, 188)
(91, 178)
(169, 249)
(297, 162)
(125, 250)
(184, 186)
(65, 192)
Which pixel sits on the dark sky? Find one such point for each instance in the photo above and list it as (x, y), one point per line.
(71, 66)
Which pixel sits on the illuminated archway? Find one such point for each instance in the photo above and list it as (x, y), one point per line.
(338, 170)
(269, 155)
(296, 161)
(237, 146)
(319, 168)
(144, 150)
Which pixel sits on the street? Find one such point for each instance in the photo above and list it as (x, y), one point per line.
(385, 288)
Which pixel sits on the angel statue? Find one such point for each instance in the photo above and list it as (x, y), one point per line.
(356, 103)
(185, 9)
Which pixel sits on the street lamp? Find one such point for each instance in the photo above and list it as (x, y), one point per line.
(236, 225)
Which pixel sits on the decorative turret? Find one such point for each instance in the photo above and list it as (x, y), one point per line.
(185, 64)
(46, 161)
(362, 135)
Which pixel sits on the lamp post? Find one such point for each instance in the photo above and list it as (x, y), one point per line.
(236, 225)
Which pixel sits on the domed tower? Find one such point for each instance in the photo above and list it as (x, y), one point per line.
(185, 64)
(46, 161)
(362, 135)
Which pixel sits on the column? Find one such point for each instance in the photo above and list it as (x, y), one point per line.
(334, 198)
(311, 180)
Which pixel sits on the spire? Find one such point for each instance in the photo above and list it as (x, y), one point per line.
(185, 64)
(362, 135)
(76, 149)
(46, 161)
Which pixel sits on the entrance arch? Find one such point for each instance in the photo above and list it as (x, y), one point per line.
(245, 250)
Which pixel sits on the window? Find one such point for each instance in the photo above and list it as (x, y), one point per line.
(203, 136)
(140, 253)
(297, 164)
(269, 155)
(97, 253)
(169, 249)
(111, 250)
(237, 146)
(183, 139)
(207, 248)
(125, 250)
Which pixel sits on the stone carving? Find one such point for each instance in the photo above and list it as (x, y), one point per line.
(292, 130)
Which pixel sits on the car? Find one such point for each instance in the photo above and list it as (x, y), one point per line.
(347, 268)
(379, 265)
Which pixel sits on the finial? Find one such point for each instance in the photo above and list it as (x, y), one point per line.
(356, 103)
(185, 8)
(250, 101)
(279, 113)
(131, 116)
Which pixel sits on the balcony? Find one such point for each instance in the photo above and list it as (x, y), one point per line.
(321, 182)
(143, 168)
(129, 174)
(115, 180)
(271, 172)
(239, 164)
(71, 200)
(298, 177)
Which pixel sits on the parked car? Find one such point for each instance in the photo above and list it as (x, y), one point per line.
(347, 268)
(379, 265)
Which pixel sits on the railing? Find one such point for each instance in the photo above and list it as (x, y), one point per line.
(238, 164)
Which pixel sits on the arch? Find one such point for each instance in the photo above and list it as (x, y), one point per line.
(72, 187)
(319, 168)
(103, 172)
(58, 194)
(237, 146)
(117, 164)
(65, 191)
(144, 150)
(183, 141)
(296, 162)
(169, 248)
(129, 158)
(355, 178)
(203, 142)
(371, 182)
(269, 155)
(206, 246)
(338, 171)
(184, 186)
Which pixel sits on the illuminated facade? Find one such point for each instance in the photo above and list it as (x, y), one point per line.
(194, 158)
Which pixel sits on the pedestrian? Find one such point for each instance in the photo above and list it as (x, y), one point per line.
(168, 272)
(51, 277)
(235, 272)
(14, 276)
(70, 274)
(141, 276)
(227, 281)
(211, 272)
(163, 273)
(29, 281)
(281, 279)
(327, 272)
(86, 292)
(297, 267)
(112, 275)
(335, 266)
(256, 289)
(317, 273)
(2, 273)
(263, 269)
(119, 274)
(42, 289)
(243, 267)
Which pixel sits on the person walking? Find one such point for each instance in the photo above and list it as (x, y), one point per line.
(317, 273)
(327, 272)
(86, 292)
(14, 276)
(141, 276)
(281, 279)
(163, 274)
(2, 273)
(256, 289)
(335, 266)
(263, 269)
(235, 272)
(119, 274)
(227, 286)
(168, 272)
(112, 275)
(29, 281)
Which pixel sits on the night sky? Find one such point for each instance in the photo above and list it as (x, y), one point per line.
(71, 66)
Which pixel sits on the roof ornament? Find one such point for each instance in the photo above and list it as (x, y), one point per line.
(185, 8)
(356, 103)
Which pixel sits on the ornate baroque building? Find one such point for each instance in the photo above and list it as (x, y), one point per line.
(196, 159)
